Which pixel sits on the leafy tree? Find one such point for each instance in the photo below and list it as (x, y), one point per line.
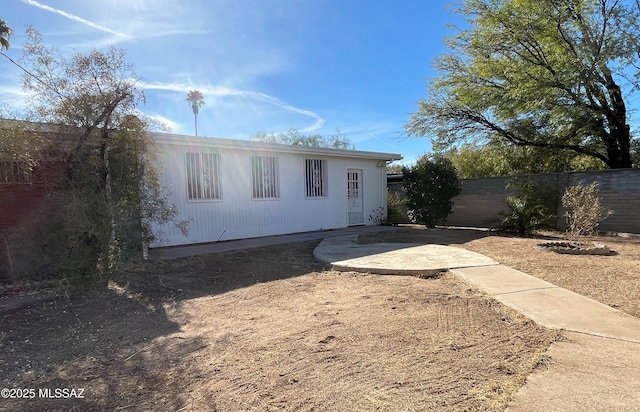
(635, 153)
(295, 137)
(430, 185)
(505, 160)
(5, 33)
(196, 99)
(111, 194)
(394, 169)
(545, 74)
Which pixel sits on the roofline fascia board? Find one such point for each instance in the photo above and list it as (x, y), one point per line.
(234, 144)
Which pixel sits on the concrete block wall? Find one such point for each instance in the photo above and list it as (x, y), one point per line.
(482, 201)
(619, 191)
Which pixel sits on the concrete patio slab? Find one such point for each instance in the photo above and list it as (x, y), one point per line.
(344, 253)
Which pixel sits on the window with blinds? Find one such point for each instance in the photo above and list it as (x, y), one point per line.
(315, 177)
(203, 176)
(264, 177)
(15, 173)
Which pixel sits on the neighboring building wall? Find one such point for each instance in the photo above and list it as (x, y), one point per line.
(25, 201)
(237, 214)
(482, 201)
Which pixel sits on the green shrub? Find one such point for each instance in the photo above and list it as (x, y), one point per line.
(430, 185)
(528, 207)
(583, 209)
(396, 208)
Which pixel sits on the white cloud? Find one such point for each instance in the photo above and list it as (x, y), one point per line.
(185, 88)
(367, 131)
(251, 99)
(75, 18)
(319, 122)
(13, 97)
(172, 126)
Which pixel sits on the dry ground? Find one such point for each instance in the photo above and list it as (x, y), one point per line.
(613, 280)
(264, 330)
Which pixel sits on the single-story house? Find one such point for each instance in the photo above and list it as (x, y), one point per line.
(228, 189)
(234, 189)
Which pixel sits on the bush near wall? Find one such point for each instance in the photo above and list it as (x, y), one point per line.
(481, 202)
(430, 185)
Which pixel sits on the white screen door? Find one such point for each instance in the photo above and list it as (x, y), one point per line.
(355, 210)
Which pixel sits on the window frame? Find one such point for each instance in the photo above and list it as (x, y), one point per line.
(315, 185)
(195, 178)
(15, 172)
(265, 177)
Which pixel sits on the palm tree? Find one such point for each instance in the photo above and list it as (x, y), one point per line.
(5, 33)
(197, 100)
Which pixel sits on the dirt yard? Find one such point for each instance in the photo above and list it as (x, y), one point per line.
(613, 280)
(264, 330)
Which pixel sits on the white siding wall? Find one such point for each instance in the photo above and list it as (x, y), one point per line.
(238, 216)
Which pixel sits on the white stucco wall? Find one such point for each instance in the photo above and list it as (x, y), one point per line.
(237, 215)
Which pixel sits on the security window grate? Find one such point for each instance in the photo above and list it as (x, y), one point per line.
(203, 176)
(315, 177)
(15, 173)
(264, 175)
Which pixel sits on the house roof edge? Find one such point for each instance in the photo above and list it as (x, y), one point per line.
(224, 143)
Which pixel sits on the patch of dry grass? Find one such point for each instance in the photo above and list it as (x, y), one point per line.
(270, 329)
(612, 280)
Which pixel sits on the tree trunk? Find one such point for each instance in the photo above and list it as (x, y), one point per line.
(195, 121)
(618, 148)
(108, 187)
(618, 140)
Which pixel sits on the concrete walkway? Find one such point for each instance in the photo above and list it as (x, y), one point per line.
(596, 365)
(173, 252)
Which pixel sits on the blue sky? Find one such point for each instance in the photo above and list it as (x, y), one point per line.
(262, 65)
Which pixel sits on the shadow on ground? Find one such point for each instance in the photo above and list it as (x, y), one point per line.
(98, 338)
(423, 235)
(438, 236)
(123, 340)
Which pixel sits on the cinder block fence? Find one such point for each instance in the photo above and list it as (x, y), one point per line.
(482, 201)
